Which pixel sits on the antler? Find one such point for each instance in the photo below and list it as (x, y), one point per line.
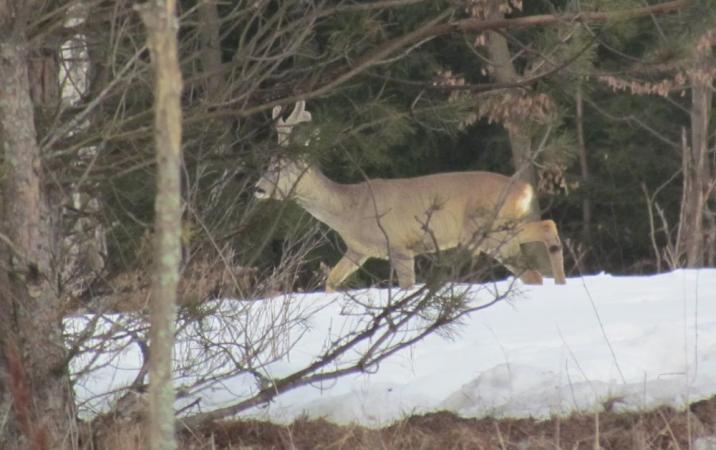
(284, 127)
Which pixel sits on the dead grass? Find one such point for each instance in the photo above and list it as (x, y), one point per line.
(662, 428)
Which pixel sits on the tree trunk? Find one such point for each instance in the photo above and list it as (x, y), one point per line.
(533, 255)
(692, 235)
(210, 38)
(584, 168)
(33, 366)
(215, 91)
(503, 71)
(162, 24)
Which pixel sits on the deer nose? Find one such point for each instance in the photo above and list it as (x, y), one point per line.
(260, 192)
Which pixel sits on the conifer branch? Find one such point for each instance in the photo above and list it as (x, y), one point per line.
(434, 28)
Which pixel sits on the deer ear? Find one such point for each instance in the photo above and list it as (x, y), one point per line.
(299, 114)
(276, 112)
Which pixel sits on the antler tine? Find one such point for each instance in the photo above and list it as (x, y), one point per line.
(284, 127)
(299, 114)
(298, 109)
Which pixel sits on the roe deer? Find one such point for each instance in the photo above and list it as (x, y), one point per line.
(399, 218)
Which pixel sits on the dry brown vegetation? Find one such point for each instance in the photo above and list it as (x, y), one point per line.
(662, 428)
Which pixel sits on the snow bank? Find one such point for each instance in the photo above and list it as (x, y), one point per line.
(633, 341)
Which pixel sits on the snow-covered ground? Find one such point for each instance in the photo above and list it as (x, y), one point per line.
(633, 341)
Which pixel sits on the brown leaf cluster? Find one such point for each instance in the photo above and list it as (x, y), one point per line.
(700, 69)
(513, 108)
(705, 43)
(636, 87)
(480, 9)
(552, 179)
(447, 78)
(483, 9)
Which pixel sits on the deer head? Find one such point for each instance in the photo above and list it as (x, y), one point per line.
(283, 174)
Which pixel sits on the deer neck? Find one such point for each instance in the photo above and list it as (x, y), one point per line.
(323, 198)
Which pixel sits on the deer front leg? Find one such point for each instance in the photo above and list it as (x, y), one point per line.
(404, 265)
(545, 231)
(349, 263)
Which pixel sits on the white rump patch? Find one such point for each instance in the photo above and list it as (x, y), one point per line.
(525, 200)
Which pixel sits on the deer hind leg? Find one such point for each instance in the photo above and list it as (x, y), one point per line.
(511, 258)
(404, 265)
(504, 246)
(545, 231)
(530, 276)
(349, 263)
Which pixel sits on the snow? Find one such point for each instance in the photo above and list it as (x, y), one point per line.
(633, 342)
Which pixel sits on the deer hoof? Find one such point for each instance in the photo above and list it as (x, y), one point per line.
(531, 277)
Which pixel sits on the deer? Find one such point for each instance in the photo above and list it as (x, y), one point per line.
(397, 219)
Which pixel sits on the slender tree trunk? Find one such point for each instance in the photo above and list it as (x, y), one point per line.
(584, 168)
(503, 70)
(210, 38)
(34, 373)
(214, 92)
(162, 25)
(692, 234)
(710, 257)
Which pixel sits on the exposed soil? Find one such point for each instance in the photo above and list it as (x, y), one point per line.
(663, 428)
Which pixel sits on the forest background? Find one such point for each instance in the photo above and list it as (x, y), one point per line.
(604, 106)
